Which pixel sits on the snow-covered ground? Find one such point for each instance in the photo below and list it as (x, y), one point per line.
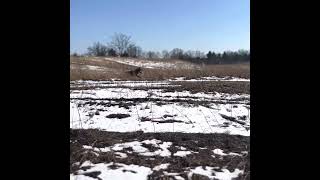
(89, 67)
(116, 83)
(120, 83)
(127, 93)
(89, 108)
(123, 172)
(211, 78)
(133, 171)
(152, 64)
(123, 106)
(136, 172)
(162, 149)
(207, 171)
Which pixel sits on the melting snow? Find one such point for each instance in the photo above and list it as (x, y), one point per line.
(97, 149)
(135, 145)
(161, 166)
(191, 119)
(211, 78)
(133, 172)
(182, 153)
(179, 178)
(152, 64)
(221, 153)
(138, 148)
(121, 155)
(94, 67)
(195, 119)
(224, 175)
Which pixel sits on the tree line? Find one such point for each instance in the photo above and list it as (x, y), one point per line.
(121, 45)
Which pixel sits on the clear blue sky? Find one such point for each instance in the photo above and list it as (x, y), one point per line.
(162, 24)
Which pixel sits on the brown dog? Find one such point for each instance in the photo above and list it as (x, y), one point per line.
(136, 72)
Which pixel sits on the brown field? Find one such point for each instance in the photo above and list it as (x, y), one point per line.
(107, 70)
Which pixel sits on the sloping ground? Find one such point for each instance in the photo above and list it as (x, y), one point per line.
(158, 64)
(93, 68)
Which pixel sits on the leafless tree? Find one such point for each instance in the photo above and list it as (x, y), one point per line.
(165, 54)
(134, 50)
(188, 54)
(152, 55)
(120, 42)
(199, 55)
(97, 49)
(158, 55)
(176, 53)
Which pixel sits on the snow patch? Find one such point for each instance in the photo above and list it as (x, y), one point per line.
(182, 153)
(106, 149)
(121, 155)
(153, 64)
(179, 178)
(221, 153)
(207, 171)
(137, 148)
(133, 172)
(161, 166)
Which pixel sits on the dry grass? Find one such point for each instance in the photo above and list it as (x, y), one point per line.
(231, 87)
(114, 70)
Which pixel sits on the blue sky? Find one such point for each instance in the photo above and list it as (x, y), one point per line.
(162, 24)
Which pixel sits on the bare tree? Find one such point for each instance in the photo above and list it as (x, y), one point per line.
(176, 53)
(97, 49)
(75, 54)
(120, 42)
(165, 54)
(134, 51)
(158, 55)
(138, 51)
(112, 52)
(152, 55)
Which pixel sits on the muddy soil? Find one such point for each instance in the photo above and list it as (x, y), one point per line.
(231, 87)
(200, 144)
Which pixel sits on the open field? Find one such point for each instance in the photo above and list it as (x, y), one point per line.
(178, 121)
(86, 68)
